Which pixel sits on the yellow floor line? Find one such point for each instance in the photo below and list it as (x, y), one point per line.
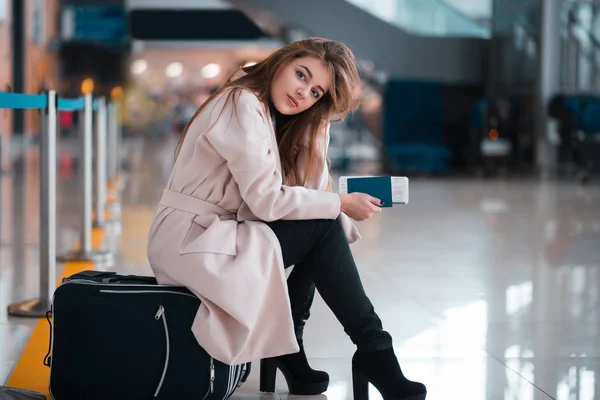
(30, 373)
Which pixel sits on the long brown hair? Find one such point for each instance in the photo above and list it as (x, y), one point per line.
(292, 130)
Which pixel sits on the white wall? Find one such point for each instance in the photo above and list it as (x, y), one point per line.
(172, 4)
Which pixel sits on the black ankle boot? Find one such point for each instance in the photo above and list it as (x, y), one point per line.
(381, 368)
(300, 377)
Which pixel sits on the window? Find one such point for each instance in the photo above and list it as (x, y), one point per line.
(3, 7)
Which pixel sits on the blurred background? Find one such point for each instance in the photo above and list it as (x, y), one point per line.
(488, 279)
(452, 87)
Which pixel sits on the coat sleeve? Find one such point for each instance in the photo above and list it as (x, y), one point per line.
(320, 181)
(242, 137)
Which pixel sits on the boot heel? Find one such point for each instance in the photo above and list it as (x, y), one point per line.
(360, 386)
(268, 374)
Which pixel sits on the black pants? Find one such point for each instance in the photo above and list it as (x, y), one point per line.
(322, 258)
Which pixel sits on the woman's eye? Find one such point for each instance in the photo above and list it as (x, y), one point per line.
(315, 93)
(300, 75)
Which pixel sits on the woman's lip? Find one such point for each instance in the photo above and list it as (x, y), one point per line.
(294, 103)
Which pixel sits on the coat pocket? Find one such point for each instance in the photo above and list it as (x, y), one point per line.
(218, 236)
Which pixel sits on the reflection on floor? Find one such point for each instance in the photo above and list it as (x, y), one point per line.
(489, 288)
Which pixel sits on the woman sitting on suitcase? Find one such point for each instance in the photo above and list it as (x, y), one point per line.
(250, 196)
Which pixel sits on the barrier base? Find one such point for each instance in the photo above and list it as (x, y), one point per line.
(34, 308)
(7, 393)
(104, 258)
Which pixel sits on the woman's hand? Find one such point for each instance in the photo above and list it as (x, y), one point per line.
(360, 206)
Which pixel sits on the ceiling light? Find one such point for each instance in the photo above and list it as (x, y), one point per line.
(174, 70)
(211, 71)
(139, 67)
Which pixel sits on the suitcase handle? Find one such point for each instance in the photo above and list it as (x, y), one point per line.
(48, 358)
(112, 277)
(149, 280)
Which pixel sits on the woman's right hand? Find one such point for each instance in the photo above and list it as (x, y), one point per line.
(360, 206)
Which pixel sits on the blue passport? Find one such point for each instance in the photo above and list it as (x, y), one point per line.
(376, 186)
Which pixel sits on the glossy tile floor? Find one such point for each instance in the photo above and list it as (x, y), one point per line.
(489, 288)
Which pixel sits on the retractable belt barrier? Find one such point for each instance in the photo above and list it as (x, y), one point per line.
(106, 134)
(85, 253)
(47, 105)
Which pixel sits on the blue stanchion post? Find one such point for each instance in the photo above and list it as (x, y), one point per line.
(120, 179)
(85, 253)
(37, 307)
(113, 223)
(100, 108)
(113, 160)
(48, 204)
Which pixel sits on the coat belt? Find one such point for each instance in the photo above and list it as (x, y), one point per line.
(193, 205)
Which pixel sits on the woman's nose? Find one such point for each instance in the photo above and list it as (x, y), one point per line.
(301, 93)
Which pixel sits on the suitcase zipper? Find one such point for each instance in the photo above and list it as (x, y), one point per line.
(145, 291)
(233, 375)
(90, 282)
(240, 383)
(161, 314)
(212, 375)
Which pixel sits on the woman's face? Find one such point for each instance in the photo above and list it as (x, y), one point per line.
(299, 85)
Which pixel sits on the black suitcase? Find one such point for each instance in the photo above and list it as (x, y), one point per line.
(126, 337)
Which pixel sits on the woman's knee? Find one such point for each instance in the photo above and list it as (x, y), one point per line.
(333, 229)
(328, 226)
(305, 231)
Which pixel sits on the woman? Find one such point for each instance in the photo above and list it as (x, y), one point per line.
(249, 196)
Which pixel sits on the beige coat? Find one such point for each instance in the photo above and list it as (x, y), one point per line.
(207, 233)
